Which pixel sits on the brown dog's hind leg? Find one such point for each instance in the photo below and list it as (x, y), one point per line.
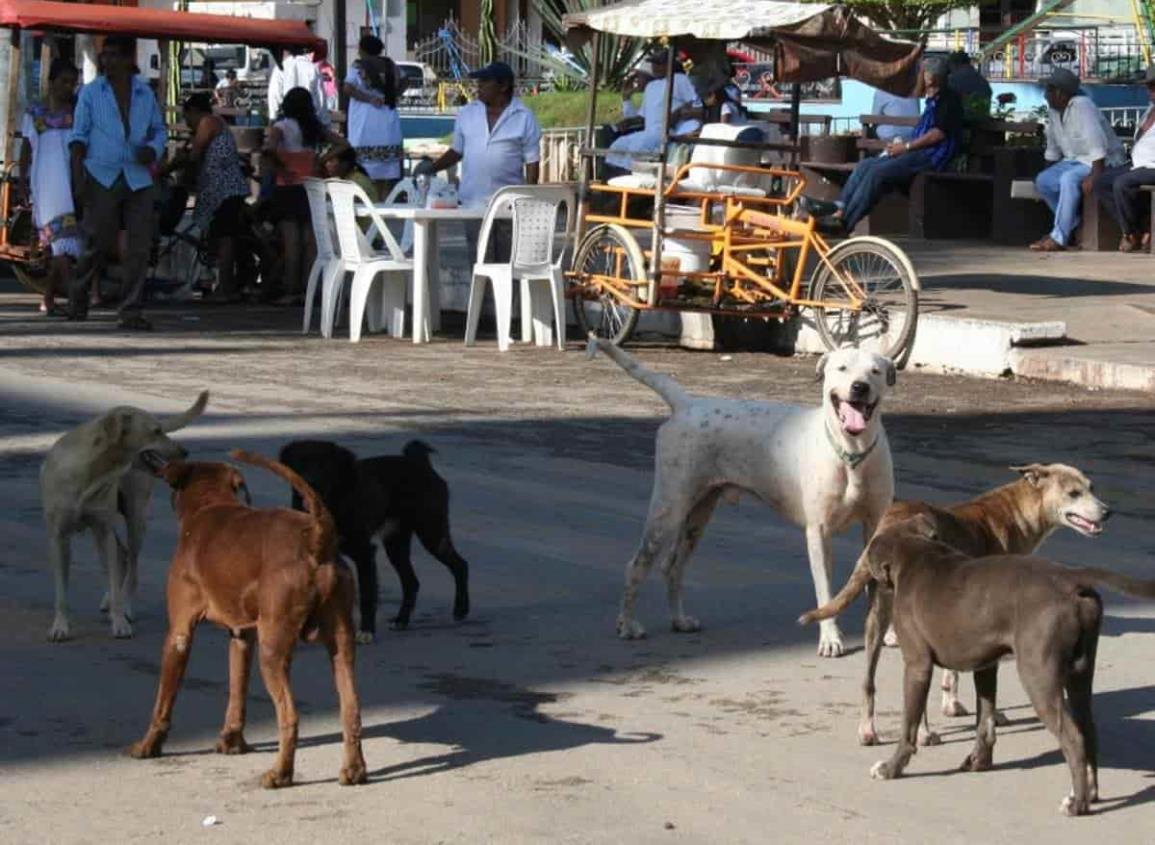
(986, 688)
(1042, 681)
(174, 659)
(337, 632)
(877, 621)
(275, 642)
(232, 738)
(916, 678)
(1079, 691)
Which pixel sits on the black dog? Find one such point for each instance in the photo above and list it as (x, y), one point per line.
(394, 496)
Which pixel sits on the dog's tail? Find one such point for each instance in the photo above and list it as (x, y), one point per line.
(855, 584)
(324, 531)
(180, 420)
(663, 385)
(1091, 576)
(418, 451)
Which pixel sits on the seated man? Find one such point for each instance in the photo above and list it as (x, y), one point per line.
(1118, 187)
(685, 116)
(932, 146)
(1081, 144)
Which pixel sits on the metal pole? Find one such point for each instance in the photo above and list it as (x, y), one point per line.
(588, 162)
(795, 107)
(339, 57)
(660, 186)
(12, 124)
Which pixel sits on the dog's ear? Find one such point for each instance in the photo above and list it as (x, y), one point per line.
(1034, 474)
(114, 426)
(820, 369)
(924, 526)
(240, 487)
(175, 474)
(891, 373)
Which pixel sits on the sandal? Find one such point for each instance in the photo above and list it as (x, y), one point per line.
(135, 323)
(1129, 243)
(54, 312)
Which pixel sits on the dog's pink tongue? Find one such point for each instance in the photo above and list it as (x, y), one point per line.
(853, 420)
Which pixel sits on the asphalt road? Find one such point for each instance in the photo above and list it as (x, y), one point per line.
(531, 721)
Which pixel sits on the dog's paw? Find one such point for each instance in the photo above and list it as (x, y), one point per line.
(1070, 806)
(868, 734)
(890, 639)
(61, 630)
(144, 750)
(630, 629)
(928, 738)
(121, 628)
(353, 774)
(830, 642)
(882, 770)
(273, 779)
(232, 742)
(952, 707)
(685, 625)
(366, 637)
(105, 603)
(1001, 720)
(460, 610)
(398, 623)
(977, 761)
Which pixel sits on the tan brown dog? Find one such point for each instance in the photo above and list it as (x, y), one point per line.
(269, 572)
(967, 613)
(1013, 519)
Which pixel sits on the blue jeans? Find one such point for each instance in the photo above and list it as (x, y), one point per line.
(1061, 187)
(874, 177)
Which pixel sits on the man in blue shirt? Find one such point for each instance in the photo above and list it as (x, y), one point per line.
(933, 144)
(118, 136)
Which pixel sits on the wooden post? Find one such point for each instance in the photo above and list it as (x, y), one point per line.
(339, 53)
(12, 124)
(45, 63)
(660, 185)
(588, 162)
(162, 49)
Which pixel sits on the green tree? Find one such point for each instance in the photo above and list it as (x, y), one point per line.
(616, 55)
(908, 16)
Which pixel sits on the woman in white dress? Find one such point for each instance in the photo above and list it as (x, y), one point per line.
(45, 165)
(374, 125)
(685, 115)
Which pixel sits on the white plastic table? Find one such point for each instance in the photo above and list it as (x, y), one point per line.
(426, 259)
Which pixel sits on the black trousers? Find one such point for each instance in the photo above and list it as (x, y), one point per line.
(1118, 190)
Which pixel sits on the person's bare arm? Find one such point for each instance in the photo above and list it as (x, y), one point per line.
(355, 93)
(532, 173)
(445, 161)
(337, 145)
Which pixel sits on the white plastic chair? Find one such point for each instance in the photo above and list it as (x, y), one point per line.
(366, 264)
(535, 260)
(326, 264)
(405, 192)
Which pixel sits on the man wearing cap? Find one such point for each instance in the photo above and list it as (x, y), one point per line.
(1118, 187)
(933, 145)
(498, 142)
(1081, 144)
(685, 115)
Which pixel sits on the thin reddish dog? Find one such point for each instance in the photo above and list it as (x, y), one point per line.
(269, 576)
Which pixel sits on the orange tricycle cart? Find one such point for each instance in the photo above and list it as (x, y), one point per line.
(718, 237)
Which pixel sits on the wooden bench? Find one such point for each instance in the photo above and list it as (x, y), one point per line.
(1098, 231)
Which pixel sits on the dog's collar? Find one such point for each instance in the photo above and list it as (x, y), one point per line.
(851, 459)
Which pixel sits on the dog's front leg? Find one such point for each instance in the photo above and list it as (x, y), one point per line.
(174, 660)
(60, 556)
(821, 556)
(232, 738)
(108, 547)
(916, 679)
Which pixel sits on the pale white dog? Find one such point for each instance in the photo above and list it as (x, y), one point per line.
(91, 474)
(823, 468)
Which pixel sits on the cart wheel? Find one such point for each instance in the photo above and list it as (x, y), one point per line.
(33, 278)
(603, 314)
(888, 319)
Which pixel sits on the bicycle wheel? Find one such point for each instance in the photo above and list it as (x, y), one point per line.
(608, 251)
(887, 320)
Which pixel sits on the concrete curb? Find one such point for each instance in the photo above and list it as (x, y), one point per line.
(1078, 365)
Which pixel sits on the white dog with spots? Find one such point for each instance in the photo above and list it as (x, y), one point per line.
(823, 468)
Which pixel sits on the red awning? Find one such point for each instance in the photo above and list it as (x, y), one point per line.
(52, 16)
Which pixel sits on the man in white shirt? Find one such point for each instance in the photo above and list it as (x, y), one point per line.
(685, 116)
(498, 142)
(1118, 187)
(1081, 144)
(892, 105)
(297, 70)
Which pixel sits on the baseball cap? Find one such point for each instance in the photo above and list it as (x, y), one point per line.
(496, 71)
(1063, 80)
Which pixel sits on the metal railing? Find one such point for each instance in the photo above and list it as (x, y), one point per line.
(560, 154)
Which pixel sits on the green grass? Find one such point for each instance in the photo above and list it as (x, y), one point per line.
(567, 109)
